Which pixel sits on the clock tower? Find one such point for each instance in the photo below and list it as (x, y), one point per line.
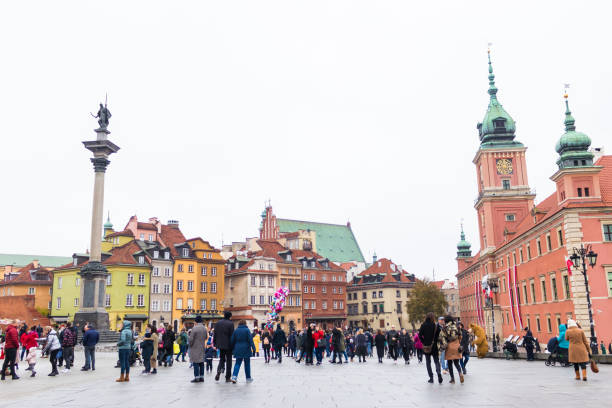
(504, 197)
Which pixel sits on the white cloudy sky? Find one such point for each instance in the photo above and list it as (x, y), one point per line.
(336, 110)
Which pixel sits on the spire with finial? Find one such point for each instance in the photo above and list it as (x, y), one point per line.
(573, 146)
(463, 247)
(492, 88)
(108, 225)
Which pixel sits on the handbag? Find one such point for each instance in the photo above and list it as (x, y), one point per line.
(594, 367)
(320, 343)
(427, 349)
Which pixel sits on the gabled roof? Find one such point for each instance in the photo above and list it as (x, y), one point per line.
(30, 273)
(334, 241)
(121, 255)
(125, 233)
(383, 271)
(172, 236)
(146, 226)
(21, 260)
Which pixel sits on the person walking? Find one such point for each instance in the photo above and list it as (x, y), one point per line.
(429, 333)
(292, 341)
(146, 349)
(52, 347)
(392, 342)
(528, 343)
(450, 337)
(243, 348)
(579, 349)
(465, 347)
(90, 339)
(125, 347)
(11, 345)
(299, 344)
(256, 341)
(318, 337)
(196, 340)
(443, 364)
(182, 341)
(379, 342)
(279, 340)
(309, 344)
(68, 343)
(405, 342)
(224, 329)
(168, 339)
(369, 342)
(361, 345)
(266, 340)
(418, 346)
(155, 341)
(338, 344)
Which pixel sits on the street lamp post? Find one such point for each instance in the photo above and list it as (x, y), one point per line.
(581, 255)
(494, 286)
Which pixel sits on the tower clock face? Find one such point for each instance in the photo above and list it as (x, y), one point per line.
(504, 166)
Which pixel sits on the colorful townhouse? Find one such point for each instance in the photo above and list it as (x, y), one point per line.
(524, 246)
(127, 286)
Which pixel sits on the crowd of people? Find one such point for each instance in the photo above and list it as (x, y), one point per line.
(443, 342)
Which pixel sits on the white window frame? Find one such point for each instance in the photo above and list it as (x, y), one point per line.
(129, 300)
(140, 300)
(141, 279)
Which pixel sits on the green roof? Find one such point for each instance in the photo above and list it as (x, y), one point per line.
(23, 260)
(336, 242)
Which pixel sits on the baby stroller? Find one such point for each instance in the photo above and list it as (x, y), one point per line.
(135, 355)
(510, 350)
(556, 355)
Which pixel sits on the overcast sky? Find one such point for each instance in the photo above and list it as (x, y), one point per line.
(334, 110)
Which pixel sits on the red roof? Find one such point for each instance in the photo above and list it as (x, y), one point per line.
(146, 226)
(347, 265)
(171, 236)
(28, 273)
(126, 233)
(438, 284)
(387, 268)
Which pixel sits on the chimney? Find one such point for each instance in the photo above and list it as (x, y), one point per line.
(374, 258)
(173, 224)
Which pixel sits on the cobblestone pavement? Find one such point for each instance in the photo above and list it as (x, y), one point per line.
(489, 383)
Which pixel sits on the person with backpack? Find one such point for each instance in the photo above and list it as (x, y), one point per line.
(450, 341)
(279, 340)
(318, 337)
(183, 342)
(429, 333)
(266, 341)
(11, 345)
(528, 343)
(418, 346)
(68, 342)
(125, 348)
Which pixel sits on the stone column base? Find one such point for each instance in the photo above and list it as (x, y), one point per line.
(99, 320)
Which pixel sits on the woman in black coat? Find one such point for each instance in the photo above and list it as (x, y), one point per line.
(168, 339)
(429, 333)
(309, 345)
(361, 345)
(379, 342)
(266, 343)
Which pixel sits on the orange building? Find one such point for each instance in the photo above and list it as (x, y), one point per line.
(524, 246)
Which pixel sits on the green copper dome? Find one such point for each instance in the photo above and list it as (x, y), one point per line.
(497, 128)
(108, 224)
(463, 247)
(573, 147)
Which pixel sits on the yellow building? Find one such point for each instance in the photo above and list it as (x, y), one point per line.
(199, 271)
(127, 287)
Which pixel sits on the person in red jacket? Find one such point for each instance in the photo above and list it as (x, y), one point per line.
(317, 335)
(11, 346)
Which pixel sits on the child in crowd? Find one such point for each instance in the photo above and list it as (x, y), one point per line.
(208, 356)
(31, 359)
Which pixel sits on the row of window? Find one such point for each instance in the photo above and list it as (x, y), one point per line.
(262, 281)
(167, 272)
(334, 278)
(213, 304)
(375, 295)
(323, 289)
(129, 301)
(312, 304)
(203, 269)
(165, 306)
(293, 284)
(203, 286)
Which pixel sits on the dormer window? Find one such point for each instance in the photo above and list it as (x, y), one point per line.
(141, 259)
(313, 263)
(288, 258)
(499, 124)
(167, 255)
(185, 252)
(304, 263)
(155, 254)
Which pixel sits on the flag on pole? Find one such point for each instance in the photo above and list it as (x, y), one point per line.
(516, 296)
(511, 297)
(569, 264)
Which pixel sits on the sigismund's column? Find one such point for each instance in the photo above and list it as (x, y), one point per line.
(93, 274)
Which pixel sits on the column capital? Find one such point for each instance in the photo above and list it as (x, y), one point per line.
(93, 269)
(100, 164)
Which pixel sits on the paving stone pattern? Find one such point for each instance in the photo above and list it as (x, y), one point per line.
(489, 383)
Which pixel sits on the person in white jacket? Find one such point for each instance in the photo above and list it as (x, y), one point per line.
(52, 346)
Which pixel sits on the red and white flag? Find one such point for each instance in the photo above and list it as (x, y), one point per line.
(569, 264)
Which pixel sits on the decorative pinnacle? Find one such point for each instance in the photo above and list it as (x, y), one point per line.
(492, 89)
(569, 119)
(462, 233)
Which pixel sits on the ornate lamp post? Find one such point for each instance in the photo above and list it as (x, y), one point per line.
(94, 273)
(582, 255)
(494, 286)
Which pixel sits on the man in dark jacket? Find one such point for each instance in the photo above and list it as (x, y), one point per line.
(405, 342)
(279, 340)
(429, 334)
(224, 329)
(168, 339)
(528, 343)
(68, 342)
(392, 338)
(11, 346)
(90, 339)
